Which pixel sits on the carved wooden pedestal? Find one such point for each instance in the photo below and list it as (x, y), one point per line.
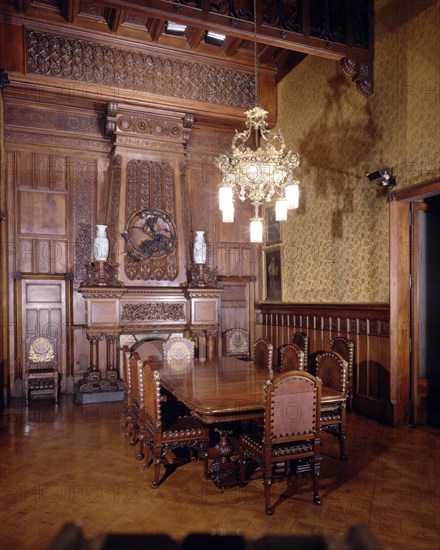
(223, 471)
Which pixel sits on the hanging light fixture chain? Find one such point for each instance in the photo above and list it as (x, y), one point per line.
(255, 53)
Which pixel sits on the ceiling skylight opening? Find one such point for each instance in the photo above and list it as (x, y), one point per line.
(214, 38)
(175, 29)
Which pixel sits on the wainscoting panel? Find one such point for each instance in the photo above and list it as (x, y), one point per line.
(367, 325)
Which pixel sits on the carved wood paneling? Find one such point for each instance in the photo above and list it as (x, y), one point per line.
(84, 181)
(150, 184)
(367, 325)
(73, 59)
(158, 311)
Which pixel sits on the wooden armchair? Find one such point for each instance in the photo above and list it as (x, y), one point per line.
(263, 351)
(41, 375)
(291, 429)
(302, 341)
(345, 347)
(291, 358)
(331, 369)
(160, 437)
(236, 342)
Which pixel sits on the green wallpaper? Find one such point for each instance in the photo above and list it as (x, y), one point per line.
(336, 246)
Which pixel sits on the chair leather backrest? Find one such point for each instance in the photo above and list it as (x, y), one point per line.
(345, 347)
(302, 340)
(263, 353)
(178, 349)
(292, 406)
(41, 352)
(291, 358)
(332, 369)
(237, 341)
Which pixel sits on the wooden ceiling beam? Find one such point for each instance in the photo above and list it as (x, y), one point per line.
(194, 36)
(231, 45)
(286, 60)
(241, 28)
(116, 20)
(71, 10)
(266, 53)
(155, 28)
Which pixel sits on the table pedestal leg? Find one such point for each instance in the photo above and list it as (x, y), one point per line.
(223, 471)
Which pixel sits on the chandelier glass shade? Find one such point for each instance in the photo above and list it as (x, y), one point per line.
(261, 174)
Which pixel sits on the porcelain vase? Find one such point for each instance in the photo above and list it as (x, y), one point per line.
(101, 244)
(199, 250)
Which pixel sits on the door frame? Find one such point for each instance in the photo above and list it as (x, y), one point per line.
(405, 302)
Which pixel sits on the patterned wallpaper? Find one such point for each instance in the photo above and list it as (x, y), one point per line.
(335, 246)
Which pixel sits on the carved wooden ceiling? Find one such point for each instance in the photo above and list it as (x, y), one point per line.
(285, 31)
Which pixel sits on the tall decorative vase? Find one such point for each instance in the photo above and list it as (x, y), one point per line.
(101, 244)
(199, 251)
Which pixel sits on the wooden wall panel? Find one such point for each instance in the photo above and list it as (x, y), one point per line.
(366, 325)
(43, 312)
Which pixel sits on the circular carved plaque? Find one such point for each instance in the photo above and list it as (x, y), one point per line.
(150, 233)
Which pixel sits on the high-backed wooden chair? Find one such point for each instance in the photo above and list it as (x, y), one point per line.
(41, 374)
(302, 340)
(159, 437)
(136, 402)
(291, 358)
(345, 347)
(126, 373)
(291, 429)
(332, 369)
(263, 351)
(236, 342)
(178, 349)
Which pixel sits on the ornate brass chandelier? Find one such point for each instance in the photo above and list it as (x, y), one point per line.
(258, 174)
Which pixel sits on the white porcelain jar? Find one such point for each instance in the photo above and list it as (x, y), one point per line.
(199, 251)
(101, 244)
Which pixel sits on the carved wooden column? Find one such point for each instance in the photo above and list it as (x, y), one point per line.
(94, 353)
(112, 371)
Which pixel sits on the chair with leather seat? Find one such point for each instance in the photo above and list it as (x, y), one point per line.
(291, 358)
(290, 433)
(263, 352)
(332, 369)
(161, 435)
(41, 375)
(345, 347)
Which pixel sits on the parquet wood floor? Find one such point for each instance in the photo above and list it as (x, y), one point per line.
(71, 463)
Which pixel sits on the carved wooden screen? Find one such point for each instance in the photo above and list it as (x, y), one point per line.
(150, 196)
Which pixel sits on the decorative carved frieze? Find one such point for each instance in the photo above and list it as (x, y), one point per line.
(158, 311)
(57, 120)
(360, 73)
(60, 141)
(86, 61)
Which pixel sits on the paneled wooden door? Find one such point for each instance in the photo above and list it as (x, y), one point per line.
(43, 311)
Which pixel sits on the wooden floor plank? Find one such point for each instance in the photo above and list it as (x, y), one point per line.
(71, 463)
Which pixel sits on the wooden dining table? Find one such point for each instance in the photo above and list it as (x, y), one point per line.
(223, 390)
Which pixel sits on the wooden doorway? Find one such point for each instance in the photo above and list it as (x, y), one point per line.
(424, 299)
